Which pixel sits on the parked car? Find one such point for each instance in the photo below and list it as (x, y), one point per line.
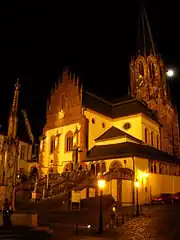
(162, 198)
(176, 197)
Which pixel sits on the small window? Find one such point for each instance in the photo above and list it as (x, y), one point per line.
(52, 149)
(23, 152)
(146, 135)
(127, 125)
(141, 68)
(151, 70)
(103, 125)
(93, 121)
(157, 141)
(69, 142)
(152, 139)
(62, 103)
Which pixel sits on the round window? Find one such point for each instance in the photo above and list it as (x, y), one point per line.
(127, 126)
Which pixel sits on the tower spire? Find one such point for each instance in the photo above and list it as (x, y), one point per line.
(12, 125)
(145, 42)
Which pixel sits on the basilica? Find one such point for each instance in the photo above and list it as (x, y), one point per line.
(133, 139)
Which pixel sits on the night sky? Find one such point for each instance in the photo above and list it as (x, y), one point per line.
(95, 41)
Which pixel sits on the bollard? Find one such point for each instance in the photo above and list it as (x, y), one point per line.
(77, 229)
(117, 221)
(122, 217)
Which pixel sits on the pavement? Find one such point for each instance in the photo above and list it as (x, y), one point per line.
(23, 232)
(160, 222)
(156, 223)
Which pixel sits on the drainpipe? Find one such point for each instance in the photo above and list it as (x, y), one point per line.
(133, 190)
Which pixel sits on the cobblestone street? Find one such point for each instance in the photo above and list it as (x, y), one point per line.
(159, 222)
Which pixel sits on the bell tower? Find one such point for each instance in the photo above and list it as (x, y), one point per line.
(148, 83)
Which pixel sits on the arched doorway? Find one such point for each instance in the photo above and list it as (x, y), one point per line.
(98, 169)
(92, 169)
(116, 180)
(115, 165)
(103, 167)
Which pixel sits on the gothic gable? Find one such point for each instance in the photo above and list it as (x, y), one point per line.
(65, 104)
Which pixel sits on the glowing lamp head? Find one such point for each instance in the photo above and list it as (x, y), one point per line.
(170, 73)
(146, 175)
(136, 184)
(101, 183)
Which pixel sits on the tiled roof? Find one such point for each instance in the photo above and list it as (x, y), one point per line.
(97, 104)
(114, 132)
(128, 149)
(125, 107)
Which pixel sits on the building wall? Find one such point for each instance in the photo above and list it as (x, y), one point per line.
(150, 184)
(115, 141)
(152, 128)
(98, 124)
(63, 156)
(25, 155)
(135, 125)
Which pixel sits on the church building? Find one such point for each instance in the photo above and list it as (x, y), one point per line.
(133, 139)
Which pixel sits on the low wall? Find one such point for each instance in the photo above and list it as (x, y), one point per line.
(23, 219)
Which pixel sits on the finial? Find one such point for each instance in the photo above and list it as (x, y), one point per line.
(65, 75)
(17, 85)
(77, 81)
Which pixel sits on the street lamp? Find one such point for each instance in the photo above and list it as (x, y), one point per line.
(137, 197)
(101, 185)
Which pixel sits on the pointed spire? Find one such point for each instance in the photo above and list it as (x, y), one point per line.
(13, 119)
(16, 94)
(145, 43)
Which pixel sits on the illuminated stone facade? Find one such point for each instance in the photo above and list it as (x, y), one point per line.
(25, 164)
(122, 139)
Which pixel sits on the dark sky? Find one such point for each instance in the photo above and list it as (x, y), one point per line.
(96, 40)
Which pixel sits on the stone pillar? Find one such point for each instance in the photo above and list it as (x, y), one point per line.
(83, 139)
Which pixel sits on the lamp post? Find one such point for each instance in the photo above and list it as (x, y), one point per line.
(137, 197)
(101, 185)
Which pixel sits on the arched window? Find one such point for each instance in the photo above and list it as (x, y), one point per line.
(69, 141)
(52, 146)
(103, 167)
(146, 135)
(155, 168)
(151, 70)
(157, 140)
(152, 139)
(141, 68)
(98, 170)
(160, 168)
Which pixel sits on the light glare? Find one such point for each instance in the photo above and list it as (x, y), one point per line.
(101, 183)
(170, 73)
